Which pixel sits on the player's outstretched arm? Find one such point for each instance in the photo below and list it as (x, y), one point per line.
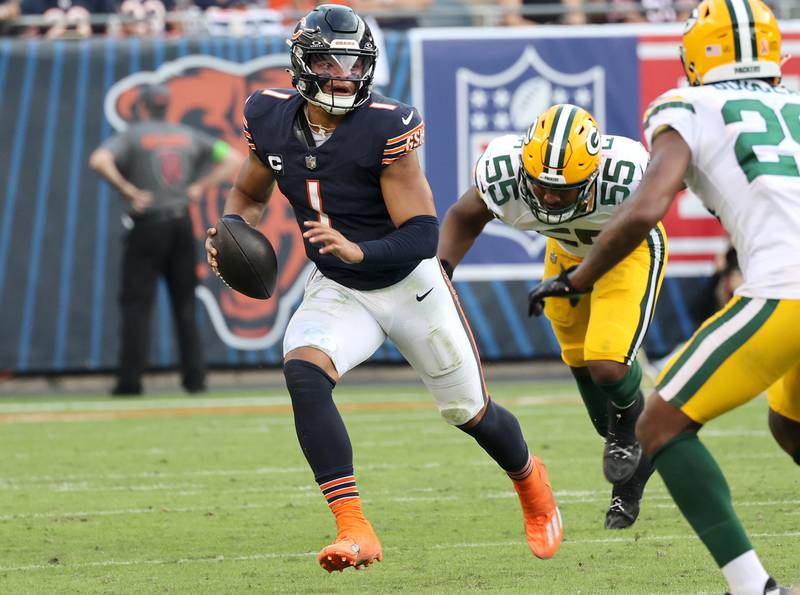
(248, 198)
(634, 219)
(462, 223)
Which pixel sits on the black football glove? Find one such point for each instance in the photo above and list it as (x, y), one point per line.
(559, 286)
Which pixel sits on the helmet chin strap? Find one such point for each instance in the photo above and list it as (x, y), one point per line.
(336, 105)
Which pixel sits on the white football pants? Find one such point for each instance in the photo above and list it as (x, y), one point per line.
(422, 316)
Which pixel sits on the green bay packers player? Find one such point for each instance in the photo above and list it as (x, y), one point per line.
(733, 137)
(564, 179)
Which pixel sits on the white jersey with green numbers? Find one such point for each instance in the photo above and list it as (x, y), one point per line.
(745, 166)
(622, 165)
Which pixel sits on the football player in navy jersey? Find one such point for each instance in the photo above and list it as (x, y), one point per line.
(345, 158)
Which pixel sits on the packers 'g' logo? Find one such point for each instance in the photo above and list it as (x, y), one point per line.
(593, 141)
(209, 93)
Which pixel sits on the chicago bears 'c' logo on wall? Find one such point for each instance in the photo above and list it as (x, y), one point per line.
(209, 93)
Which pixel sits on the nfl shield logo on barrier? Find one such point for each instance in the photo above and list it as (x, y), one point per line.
(488, 106)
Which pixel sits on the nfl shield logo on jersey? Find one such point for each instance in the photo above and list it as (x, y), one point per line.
(488, 106)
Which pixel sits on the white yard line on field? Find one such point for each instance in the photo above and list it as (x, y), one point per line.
(274, 501)
(131, 404)
(443, 546)
(20, 482)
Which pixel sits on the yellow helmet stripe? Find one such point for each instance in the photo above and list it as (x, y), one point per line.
(559, 136)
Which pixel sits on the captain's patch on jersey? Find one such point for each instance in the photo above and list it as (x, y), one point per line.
(275, 163)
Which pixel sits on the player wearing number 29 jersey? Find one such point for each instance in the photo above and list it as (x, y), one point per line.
(733, 137)
(564, 179)
(744, 136)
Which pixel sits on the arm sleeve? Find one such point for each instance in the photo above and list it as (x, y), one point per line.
(414, 240)
(671, 110)
(405, 133)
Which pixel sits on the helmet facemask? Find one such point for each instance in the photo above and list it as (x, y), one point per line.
(529, 187)
(324, 69)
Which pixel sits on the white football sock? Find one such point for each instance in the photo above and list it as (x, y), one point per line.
(745, 574)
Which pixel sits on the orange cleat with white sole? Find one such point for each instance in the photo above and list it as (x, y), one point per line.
(541, 515)
(355, 546)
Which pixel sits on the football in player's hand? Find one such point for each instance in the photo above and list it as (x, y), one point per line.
(246, 260)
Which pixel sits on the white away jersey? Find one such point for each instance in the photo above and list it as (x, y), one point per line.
(745, 143)
(622, 165)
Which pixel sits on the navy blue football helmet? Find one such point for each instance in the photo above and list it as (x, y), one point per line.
(332, 43)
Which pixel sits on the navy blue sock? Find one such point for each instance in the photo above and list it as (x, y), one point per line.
(320, 429)
(499, 434)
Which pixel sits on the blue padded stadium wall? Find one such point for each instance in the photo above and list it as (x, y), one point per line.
(60, 225)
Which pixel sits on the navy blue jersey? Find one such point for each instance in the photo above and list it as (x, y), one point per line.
(337, 183)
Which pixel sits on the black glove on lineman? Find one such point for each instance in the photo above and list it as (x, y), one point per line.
(559, 286)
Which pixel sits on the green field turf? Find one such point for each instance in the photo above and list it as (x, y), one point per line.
(216, 500)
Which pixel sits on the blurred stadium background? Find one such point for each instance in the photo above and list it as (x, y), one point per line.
(474, 75)
(165, 493)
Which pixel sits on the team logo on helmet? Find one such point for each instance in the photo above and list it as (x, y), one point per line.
(593, 140)
(209, 94)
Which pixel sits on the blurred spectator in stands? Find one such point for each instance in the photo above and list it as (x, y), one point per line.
(9, 10)
(65, 18)
(648, 11)
(410, 11)
(239, 18)
(571, 12)
(140, 18)
(447, 13)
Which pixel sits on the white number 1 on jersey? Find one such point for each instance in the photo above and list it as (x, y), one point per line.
(315, 200)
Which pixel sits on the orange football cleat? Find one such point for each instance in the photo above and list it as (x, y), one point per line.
(355, 546)
(542, 517)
